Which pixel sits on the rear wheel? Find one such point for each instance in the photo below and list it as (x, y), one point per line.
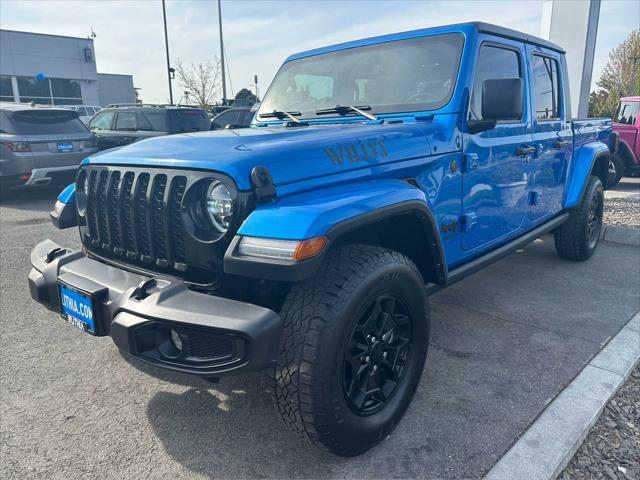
(578, 237)
(353, 349)
(616, 170)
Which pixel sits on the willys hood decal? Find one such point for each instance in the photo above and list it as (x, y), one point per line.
(290, 154)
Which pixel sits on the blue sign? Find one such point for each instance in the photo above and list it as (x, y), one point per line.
(40, 77)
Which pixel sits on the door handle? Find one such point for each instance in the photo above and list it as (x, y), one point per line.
(560, 144)
(522, 151)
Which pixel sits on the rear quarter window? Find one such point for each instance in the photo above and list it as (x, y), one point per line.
(45, 122)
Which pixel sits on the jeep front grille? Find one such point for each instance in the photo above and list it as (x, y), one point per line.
(134, 216)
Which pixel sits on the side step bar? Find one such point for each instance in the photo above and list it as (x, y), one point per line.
(481, 262)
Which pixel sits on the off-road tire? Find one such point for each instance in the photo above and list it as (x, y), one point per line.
(319, 315)
(572, 238)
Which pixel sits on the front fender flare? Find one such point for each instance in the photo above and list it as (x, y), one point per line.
(332, 211)
(581, 168)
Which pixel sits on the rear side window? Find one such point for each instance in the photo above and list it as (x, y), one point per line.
(102, 121)
(627, 113)
(189, 120)
(493, 63)
(43, 122)
(143, 123)
(546, 82)
(158, 120)
(126, 121)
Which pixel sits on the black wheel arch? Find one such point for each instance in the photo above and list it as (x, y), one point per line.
(408, 227)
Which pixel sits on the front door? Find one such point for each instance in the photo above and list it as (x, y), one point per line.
(497, 161)
(552, 134)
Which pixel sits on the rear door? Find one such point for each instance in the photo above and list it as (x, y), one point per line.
(496, 175)
(552, 133)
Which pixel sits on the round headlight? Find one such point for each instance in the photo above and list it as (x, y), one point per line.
(219, 206)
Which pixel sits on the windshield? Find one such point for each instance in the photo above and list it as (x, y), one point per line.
(402, 76)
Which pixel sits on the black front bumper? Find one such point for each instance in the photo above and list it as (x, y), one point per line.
(220, 336)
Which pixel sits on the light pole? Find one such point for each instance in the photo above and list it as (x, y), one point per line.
(224, 83)
(166, 44)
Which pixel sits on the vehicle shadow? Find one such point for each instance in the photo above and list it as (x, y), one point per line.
(39, 199)
(229, 429)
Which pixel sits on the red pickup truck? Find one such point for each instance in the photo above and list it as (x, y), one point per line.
(626, 122)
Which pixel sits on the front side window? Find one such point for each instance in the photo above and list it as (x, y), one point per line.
(546, 82)
(627, 113)
(401, 76)
(494, 63)
(102, 121)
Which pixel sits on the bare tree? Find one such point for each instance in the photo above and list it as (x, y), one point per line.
(201, 80)
(619, 78)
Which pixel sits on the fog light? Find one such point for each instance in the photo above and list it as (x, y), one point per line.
(176, 340)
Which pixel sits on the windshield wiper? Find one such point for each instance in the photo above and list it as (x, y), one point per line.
(281, 115)
(344, 109)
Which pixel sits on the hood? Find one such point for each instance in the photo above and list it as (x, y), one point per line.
(290, 154)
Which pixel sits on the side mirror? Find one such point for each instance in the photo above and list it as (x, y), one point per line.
(502, 99)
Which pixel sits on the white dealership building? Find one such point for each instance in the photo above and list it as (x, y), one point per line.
(58, 70)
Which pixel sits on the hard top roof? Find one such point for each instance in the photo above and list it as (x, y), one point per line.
(477, 27)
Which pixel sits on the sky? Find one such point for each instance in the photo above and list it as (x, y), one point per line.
(260, 34)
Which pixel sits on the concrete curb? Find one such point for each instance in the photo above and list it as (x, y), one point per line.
(621, 234)
(550, 442)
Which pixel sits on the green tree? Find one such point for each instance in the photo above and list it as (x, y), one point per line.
(619, 78)
(246, 94)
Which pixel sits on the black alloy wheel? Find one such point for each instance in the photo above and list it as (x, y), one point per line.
(377, 354)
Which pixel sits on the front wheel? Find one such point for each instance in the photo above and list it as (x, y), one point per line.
(578, 237)
(353, 349)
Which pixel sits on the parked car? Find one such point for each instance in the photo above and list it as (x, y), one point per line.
(85, 112)
(118, 125)
(626, 122)
(379, 171)
(232, 118)
(41, 144)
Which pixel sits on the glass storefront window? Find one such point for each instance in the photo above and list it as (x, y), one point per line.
(65, 88)
(30, 87)
(6, 90)
(57, 91)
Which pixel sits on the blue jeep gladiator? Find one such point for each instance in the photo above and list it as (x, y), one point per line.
(374, 173)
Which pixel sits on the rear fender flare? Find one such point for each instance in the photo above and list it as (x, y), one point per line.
(582, 167)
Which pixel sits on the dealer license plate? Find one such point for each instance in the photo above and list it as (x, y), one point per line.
(77, 308)
(65, 147)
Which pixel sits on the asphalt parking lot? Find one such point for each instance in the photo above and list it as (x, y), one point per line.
(504, 342)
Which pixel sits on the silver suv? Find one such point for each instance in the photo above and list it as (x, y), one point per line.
(41, 144)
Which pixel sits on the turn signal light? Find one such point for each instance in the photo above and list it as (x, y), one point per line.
(296, 250)
(309, 248)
